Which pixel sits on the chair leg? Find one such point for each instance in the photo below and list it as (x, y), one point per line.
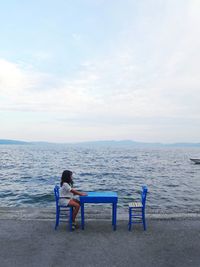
(130, 222)
(143, 220)
(70, 218)
(57, 217)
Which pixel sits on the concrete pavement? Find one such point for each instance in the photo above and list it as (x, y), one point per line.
(35, 243)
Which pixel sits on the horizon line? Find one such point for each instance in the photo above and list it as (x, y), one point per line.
(101, 141)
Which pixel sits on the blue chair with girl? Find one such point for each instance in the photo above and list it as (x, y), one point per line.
(65, 201)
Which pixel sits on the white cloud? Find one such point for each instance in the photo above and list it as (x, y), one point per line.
(148, 74)
(12, 78)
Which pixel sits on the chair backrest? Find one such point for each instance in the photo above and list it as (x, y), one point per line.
(144, 195)
(56, 193)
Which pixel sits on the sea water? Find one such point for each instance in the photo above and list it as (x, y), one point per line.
(28, 174)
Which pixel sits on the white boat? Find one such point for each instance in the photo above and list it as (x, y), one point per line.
(196, 161)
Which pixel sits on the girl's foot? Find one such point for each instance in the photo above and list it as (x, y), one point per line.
(75, 225)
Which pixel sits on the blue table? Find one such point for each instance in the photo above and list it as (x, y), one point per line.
(100, 197)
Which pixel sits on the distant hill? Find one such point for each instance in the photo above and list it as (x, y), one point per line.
(184, 145)
(105, 143)
(12, 142)
(113, 143)
(130, 143)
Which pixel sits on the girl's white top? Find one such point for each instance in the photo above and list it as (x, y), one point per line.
(65, 194)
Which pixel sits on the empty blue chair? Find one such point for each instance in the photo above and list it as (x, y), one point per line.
(137, 210)
(63, 208)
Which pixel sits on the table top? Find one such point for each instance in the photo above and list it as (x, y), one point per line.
(99, 197)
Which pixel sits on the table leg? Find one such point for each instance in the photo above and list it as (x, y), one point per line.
(114, 216)
(82, 216)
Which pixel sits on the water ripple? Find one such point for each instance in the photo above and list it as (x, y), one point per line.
(29, 173)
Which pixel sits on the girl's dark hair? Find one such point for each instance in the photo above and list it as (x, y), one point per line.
(66, 178)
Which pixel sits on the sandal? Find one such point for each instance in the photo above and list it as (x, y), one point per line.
(75, 225)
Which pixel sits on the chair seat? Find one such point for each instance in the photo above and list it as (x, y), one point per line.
(135, 204)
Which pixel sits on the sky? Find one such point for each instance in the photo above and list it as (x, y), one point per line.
(85, 70)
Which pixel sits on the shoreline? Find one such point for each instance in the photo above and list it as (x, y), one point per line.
(48, 214)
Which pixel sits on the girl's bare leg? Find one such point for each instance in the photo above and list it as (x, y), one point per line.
(75, 204)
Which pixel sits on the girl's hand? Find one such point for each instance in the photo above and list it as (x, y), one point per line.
(83, 194)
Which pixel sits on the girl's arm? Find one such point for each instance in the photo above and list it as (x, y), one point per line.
(75, 192)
